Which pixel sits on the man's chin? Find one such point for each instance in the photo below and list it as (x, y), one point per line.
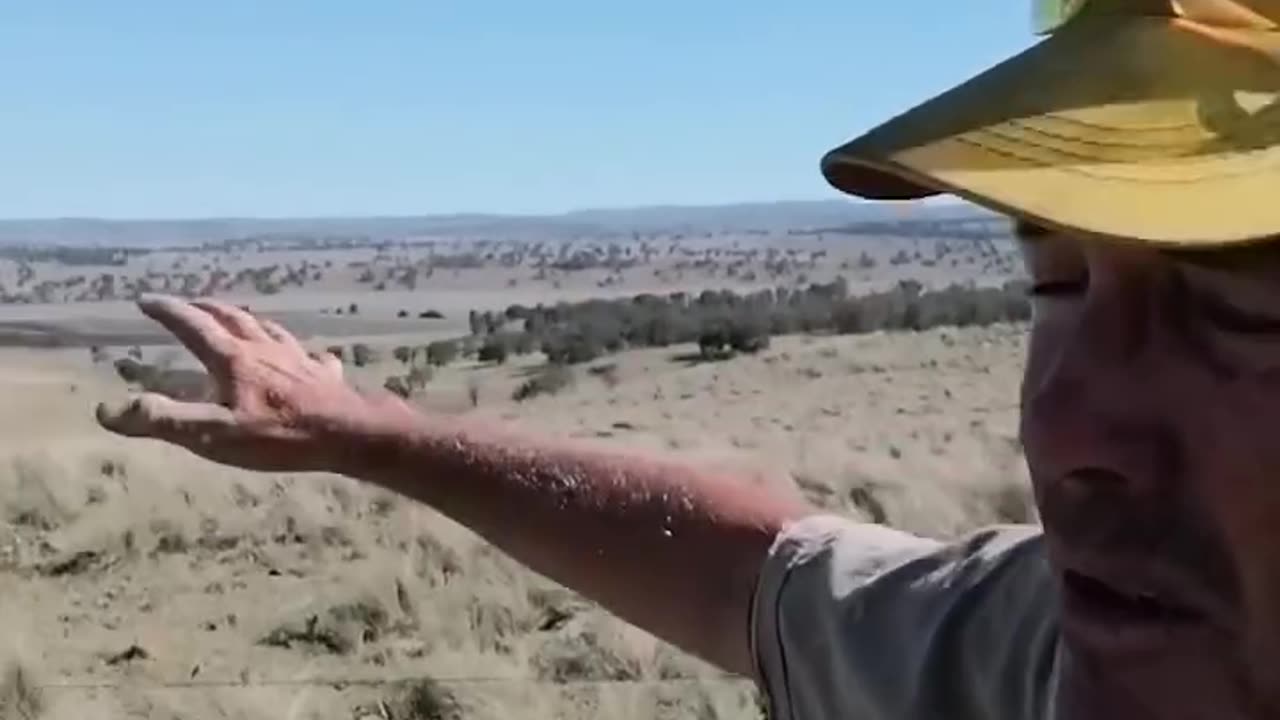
(1177, 687)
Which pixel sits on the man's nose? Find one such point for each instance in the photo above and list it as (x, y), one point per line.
(1092, 402)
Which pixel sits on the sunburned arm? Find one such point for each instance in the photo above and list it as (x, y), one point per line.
(670, 548)
(665, 546)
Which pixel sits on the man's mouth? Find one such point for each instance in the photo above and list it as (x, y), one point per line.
(1126, 618)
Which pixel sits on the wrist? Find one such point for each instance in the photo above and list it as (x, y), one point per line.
(371, 443)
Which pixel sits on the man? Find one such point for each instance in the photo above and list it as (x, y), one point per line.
(1137, 147)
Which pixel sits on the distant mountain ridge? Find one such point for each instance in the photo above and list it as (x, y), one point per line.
(775, 216)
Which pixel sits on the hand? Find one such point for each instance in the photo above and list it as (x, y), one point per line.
(278, 407)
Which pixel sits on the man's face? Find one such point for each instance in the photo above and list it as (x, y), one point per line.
(1150, 399)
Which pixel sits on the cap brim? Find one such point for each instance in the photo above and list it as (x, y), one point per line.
(1152, 129)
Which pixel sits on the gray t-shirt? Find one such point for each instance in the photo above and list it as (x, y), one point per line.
(853, 621)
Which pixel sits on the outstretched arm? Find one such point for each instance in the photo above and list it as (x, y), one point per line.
(665, 546)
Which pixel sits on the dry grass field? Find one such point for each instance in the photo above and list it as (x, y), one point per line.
(137, 581)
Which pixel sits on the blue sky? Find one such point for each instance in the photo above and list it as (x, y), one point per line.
(310, 107)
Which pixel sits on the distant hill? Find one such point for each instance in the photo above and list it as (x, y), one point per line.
(778, 216)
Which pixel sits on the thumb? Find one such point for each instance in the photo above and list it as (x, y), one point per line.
(157, 416)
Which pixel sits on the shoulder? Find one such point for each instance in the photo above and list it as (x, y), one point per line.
(870, 620)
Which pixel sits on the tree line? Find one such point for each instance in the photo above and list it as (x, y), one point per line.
(720, 322)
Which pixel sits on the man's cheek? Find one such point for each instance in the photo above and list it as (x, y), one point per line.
(1239, 481)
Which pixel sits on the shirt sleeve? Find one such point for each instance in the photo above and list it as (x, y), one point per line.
(862, 622)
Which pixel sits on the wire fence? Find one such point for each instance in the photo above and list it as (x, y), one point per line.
(343, 682)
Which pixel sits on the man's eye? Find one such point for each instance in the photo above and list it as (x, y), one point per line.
(1232, 319)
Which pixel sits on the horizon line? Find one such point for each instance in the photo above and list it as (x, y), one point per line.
(853, 201)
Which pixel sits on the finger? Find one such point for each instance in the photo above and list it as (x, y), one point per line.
(331, 362)
(237, 321)
(155, 416)
(277, 332)
(194, 328)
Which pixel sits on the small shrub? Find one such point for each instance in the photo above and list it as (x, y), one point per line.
(308, 634)
(748, 335)
(365, 619)
(493, 350)
(423, 699)
(550, 380)
(403, 353)
(170, 541)
(864, 498)
(713, 343)
(581, 658)
(442, 352)
(362, 355)
(397, 385)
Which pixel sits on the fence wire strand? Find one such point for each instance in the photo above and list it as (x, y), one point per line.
(343, 682)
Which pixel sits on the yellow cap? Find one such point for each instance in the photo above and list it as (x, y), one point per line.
(1150, 120)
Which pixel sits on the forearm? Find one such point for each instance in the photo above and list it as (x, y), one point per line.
(663, 545)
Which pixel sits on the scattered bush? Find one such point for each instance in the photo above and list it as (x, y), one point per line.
(403, 354)
(494, 350)
(422, 699)
(583, 657)
(397, 385)
(713, 343)
(571, 350)
(442, 352)
(362, 355)
(748, 334)
(550, 380)
(309, 634)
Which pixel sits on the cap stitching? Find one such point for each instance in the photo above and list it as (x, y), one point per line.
(1013, 155)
